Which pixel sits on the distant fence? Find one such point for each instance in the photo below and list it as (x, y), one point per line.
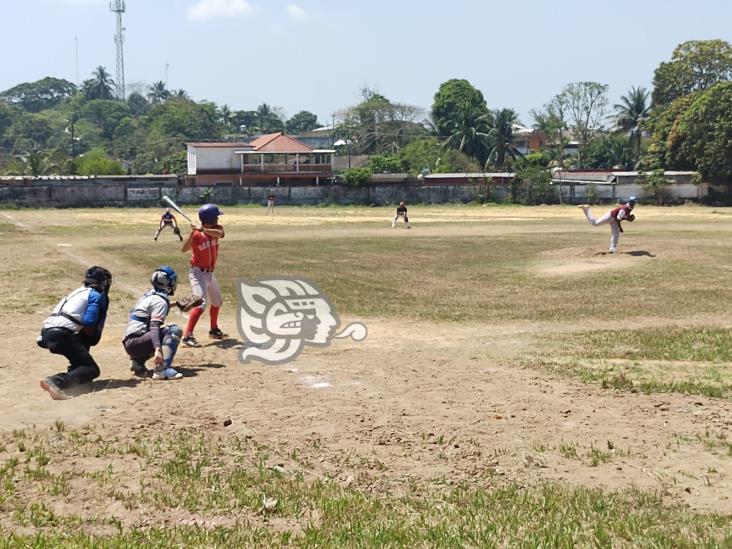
(126, 191)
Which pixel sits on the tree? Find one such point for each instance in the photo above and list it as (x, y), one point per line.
(467, 131)
(245, 118)
(695, 65)
(385, 164)
(427, 154)
(97, 162)
(453, 101)
(661, 124)
(182, 120)
(584, 104)
(610, 151)
(37, 163)
(105, 114)
(303, 121)
(553, 124)
(267, 120)
(99, 86)
(137, 104)
(39, 95)
(29, 132)
(500, 137)
(631, 113)
(226, 116)
(158, 93)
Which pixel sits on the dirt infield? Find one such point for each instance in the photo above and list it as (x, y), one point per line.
(423, 401)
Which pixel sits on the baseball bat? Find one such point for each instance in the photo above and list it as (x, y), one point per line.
(169, 201)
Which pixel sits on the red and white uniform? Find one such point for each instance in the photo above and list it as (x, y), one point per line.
(613, 218)
(204, 253)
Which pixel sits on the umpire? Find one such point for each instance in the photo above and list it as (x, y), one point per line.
(74, 326)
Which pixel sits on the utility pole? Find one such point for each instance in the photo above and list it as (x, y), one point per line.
(76, 44)
(118, 7)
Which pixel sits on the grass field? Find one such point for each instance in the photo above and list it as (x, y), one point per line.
(518, 387)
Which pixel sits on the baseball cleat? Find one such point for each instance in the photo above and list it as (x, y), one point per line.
(168, 373)
(216, 333)
(49, 385)
(190, 341)
(138, 368)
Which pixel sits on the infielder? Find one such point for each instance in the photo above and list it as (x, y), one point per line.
(401, 211)
(203, 243)
(74, 326)
(168, 220)
(622, 212)
(146, 337)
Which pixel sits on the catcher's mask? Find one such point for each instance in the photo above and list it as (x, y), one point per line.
(164, 280)
(98, 278)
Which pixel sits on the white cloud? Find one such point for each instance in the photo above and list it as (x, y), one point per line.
(296, 12)
(210, 9)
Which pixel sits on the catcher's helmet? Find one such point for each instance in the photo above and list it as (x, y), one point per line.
(209, 213)
(98, 278)
(164, 280)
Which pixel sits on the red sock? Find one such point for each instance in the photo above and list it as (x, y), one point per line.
(214, 311)
(192, 320)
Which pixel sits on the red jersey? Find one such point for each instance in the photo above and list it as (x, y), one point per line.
(204, 250)
(615, 211)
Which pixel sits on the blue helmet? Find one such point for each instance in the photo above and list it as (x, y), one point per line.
(164, 280)
(209, 213)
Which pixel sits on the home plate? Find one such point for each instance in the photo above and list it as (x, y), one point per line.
(64, 245)
(314, 382)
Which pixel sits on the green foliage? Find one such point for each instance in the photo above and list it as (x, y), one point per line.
(29, 131)
(427, 154)
(41, 94)
(655, 187)
(99, 86)
(158, 93)
(533, 185)
(137, 103)
(609, 151)
(695, 65)
(355, 177)
(535, 160)
(500, 138)
(302, 122)
(631, 113)
(185, 119)
(385, 164)
(97, 162)
(454, 99)
(584, 104)
(105, 114)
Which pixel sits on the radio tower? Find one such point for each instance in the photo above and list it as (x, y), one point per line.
(118, 7)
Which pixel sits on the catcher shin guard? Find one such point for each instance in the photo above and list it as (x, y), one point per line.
(170, 344)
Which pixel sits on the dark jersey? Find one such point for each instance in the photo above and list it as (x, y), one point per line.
(402, 210)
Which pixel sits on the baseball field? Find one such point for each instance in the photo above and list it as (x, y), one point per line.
(518, 386)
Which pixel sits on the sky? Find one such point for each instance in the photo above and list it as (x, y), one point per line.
(316, 55)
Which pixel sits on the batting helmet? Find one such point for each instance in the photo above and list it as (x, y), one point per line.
(209, 213)
(631, 201)
(164, 280)
(98, 278)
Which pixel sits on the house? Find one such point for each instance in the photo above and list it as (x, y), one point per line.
(274, 158)
(528, 140)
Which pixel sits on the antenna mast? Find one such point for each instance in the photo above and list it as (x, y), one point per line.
(118, 7)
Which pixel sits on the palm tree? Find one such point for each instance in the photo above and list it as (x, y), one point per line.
(226, 116)
(100, 85)
(267, 120)
(158, 93)
(501, 136)
(180, 94)
(631, 112)
(469, 132)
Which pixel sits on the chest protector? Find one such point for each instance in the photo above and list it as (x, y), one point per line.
(70, 310)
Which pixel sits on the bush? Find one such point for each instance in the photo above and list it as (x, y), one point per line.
(655, 187)
(385, 164)
(355, 177)
(96, 162)
(533, 186)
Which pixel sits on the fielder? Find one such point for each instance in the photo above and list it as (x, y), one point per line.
(168, 220)
(270, 204)
(401, 211)
(622, 212)
(75, 325)
(203, 243)
(146, 337)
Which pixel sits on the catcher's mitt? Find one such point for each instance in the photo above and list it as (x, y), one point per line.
(188, 303)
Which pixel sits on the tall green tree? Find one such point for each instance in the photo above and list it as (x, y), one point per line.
(467, 131)
(158, 93)
(552, 122)
(630, 115)
(501, 136)
(100, 85)
(452, 101)
(695, 65)
(105, 114)
(137, 103)
(267, 120)
(226, 116)
(41, 94)
(303, 121)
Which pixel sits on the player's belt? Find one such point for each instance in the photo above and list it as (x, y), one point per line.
(203, 269)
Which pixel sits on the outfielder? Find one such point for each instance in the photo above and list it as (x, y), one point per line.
(75, 325)
(146, 337)
(401, 211)
(270, 203)
(203, 243)
(168, 220)
(622, 212)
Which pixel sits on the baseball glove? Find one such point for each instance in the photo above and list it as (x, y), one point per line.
(631, 217)
(188, 303)
(176, 231)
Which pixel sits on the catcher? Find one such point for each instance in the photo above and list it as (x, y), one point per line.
(401, 211)
(146, 337)
(620, 213)
(168, 220)
(74, 326)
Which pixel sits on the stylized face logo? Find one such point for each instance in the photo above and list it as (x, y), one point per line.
(278, 317)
